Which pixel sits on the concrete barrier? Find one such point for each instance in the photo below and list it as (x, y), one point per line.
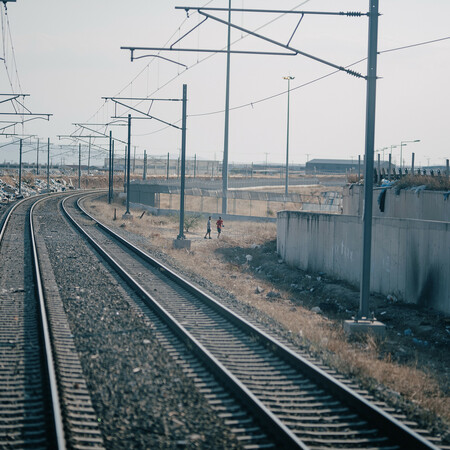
(410, 258)
(406, 203)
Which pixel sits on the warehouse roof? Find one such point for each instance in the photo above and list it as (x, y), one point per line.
(333, 161)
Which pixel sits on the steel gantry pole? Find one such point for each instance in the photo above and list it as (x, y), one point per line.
(369, 152)
(110, 167)
(20, 166)
(37, 158)
(183, 163)
(227, 120)
(89, 157)
(79, 166)
(112, 171)
(286, 189)
(128, 165)
(168, 164)
(48, 164)
(125, 170)
(144, 174)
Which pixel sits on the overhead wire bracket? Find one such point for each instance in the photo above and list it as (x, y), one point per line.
(298, 24)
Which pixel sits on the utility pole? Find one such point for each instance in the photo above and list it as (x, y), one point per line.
(144, 175)
(20, 167)
(134, 160)
(195, 165)
(227, 119)
(89, 157)
(37, 158)
(363, 312)
(48, 164)
(286, 189)
(183, 163)
(112, 171)
(125, 170)
(168, 164)
(359, 167)
(109, 167)
(127, 212)
(79, 166)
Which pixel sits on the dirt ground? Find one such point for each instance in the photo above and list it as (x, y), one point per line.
(411, 364)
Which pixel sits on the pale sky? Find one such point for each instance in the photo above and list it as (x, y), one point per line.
(68, 57)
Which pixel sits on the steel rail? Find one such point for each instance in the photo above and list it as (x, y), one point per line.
(279, 430)
(396, 430)
(50, 373)
(8, 216)
(57, 420)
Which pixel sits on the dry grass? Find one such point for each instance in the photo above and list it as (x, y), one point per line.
(324, 336)
(353, 178)
(432, 183)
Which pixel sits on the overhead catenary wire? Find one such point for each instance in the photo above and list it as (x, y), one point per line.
(13, 51)
(4, 53)
(195, 64)
(303, 85)
(414, 45)
(270, 97)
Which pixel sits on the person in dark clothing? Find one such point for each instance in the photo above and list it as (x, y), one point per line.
(208, 228)
(220, 225)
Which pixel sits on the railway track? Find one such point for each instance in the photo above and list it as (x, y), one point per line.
(270, 395)
(43, 397)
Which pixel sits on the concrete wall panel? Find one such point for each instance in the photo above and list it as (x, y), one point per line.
(423, 205)
(410, 258)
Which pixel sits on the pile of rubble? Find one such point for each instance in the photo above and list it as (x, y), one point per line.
(10, 192)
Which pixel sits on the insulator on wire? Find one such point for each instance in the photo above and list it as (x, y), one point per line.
(353, 14)
(355, 74)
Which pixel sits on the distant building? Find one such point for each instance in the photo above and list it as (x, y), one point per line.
(158, 166)
(325, 166)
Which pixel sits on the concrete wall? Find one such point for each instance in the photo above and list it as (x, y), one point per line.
(410, 258)
(423, 205)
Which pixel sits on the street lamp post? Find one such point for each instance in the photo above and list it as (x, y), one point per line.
(382, 150)
(402, 143)
(286, 189)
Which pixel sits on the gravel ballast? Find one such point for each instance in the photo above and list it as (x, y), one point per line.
(141, 396)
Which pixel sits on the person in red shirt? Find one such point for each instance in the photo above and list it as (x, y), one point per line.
(219, 224)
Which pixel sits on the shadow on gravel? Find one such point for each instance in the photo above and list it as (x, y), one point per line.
(412, 330)
(303, 289)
